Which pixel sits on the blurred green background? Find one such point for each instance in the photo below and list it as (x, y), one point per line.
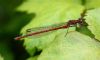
(11, 21)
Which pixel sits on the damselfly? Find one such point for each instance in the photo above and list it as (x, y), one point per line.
(68, 24)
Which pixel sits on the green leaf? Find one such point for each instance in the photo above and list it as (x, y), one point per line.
(54, 45)
(57, 45)
(37, 6)
(93, 20)
(53, 14)
(75, 46)
(89, 4)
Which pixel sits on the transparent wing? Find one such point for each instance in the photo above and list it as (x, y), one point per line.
(39, 29)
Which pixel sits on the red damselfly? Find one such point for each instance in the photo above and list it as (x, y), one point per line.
(68, 24)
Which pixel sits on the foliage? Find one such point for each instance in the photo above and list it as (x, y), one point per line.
(79, 44)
